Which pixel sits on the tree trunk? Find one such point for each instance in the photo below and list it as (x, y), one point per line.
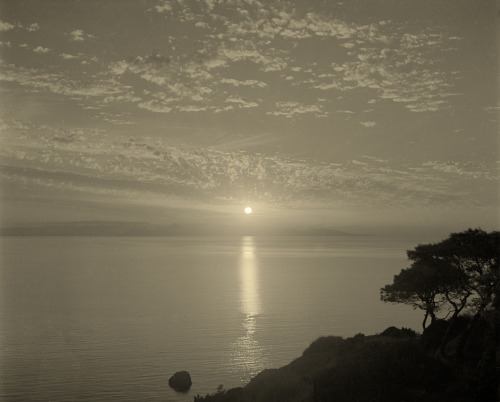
(425, 320)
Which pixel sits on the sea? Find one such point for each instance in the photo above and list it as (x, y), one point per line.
(113, 318)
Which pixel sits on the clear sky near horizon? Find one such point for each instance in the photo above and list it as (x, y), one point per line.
(356, 115)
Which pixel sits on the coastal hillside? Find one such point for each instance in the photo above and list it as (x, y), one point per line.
(396, 365)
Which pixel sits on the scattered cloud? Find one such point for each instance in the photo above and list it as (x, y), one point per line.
(91, 160)
(66, 56)
(389, 61)
(152, 68)
(244, 83)
(394, 65)
(6, 26)
(242, 103)
(78, 35)
(155, 106)
(33, 27)
(470, 170)
(164, 7)
(192, 108)
(291, 110)
(41, 49)
(59, 83)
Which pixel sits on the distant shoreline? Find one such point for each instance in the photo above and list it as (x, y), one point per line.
(138, 229)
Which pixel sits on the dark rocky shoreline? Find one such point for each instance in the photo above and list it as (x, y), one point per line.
(396, 365)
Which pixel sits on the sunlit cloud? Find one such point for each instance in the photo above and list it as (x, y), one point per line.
(66, 56)
(293, 109)
(238, 83)
(58, 83)
(163, 7)
(41, 49)
(97, 164)
(241, 102)
(78, 35)
(155, 106)
(33, 27)
(6, 26)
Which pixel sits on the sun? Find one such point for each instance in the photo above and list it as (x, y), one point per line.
(248, 210)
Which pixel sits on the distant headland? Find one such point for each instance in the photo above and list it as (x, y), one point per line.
(122, 228)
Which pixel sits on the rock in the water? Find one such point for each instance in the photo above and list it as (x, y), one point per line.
(180, 381)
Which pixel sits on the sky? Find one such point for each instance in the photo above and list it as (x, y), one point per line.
(357, 115)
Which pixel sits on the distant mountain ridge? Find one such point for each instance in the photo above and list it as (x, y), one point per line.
(121, 228)
(94, 228)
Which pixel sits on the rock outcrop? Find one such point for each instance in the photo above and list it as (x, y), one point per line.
(180, 381)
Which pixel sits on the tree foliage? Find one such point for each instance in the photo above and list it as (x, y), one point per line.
(460, 273)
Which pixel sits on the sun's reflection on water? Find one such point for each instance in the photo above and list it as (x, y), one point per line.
(249, 291)
(247, 355)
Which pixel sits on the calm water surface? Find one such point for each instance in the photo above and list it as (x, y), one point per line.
(103, 318)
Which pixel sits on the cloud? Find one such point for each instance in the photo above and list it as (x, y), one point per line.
(122, 97)
(242, 103)
(41, 49)
(6, 26)
(396, 66)
(165, 6)
(223, 109)
(78, 35)
(428, 106)
(192, 108)
(92, 59)
(155, 59)
(92, 160)
(470, 170)
(33, 27)
(223, 51)
(355, 162)
(155, 106)
(322, 26)
(215, 62)
(117, 119)
(392, 59)
(245, 83)
(291, 110)
(66, 56)
(152, 68)
(283, 22)
(184, 83)
(384, 62)
(375, 159)
(327, 86)
(59, 84)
